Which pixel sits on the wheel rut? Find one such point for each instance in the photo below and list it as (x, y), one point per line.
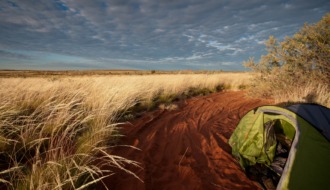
(186, 148)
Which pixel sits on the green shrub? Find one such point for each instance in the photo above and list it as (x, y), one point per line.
(299, 61)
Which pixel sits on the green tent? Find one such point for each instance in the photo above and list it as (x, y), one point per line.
(255, 141)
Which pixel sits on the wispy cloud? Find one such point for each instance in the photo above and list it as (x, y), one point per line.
(146, 34)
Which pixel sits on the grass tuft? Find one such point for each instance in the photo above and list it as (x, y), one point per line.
(57, 133)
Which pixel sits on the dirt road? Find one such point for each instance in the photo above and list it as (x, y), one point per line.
(187, 148)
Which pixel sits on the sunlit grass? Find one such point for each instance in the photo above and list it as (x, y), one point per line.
(310, 93)
(55, 133)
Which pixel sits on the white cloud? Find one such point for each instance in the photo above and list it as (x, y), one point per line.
(228, 63)
(202, 64)
(195, 56)
(158, 30)
(288, 6)
(190, 38)
(261, 42)
(175, 32)
(221, 47)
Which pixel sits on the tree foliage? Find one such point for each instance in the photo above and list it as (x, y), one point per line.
(299, 59)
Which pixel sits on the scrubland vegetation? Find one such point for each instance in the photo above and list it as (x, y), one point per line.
(55, 132)
(45, 73)
(296, 69)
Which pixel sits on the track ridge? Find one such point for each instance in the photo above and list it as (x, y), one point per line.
(187, 148)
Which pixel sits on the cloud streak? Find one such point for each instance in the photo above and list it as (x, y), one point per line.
(145, 34)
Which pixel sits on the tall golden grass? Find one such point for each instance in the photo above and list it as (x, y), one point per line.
(284, 89)
(57, 133)
(309, 93)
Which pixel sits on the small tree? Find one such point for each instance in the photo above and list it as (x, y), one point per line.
(297, 60)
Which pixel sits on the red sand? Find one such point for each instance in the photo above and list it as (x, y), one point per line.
(186, 148)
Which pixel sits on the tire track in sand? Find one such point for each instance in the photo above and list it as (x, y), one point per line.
(186, 148)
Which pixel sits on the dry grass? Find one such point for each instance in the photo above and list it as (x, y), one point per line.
(79, 73)
(310, 93)
(55, 133)
(284, 90)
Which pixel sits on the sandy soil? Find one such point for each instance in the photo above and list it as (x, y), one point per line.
(186, 148)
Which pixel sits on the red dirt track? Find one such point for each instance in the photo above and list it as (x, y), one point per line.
(186, 148)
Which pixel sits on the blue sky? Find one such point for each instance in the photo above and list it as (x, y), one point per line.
(145, 34)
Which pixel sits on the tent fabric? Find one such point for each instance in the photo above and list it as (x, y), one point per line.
(308, 163)
(316, 115)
